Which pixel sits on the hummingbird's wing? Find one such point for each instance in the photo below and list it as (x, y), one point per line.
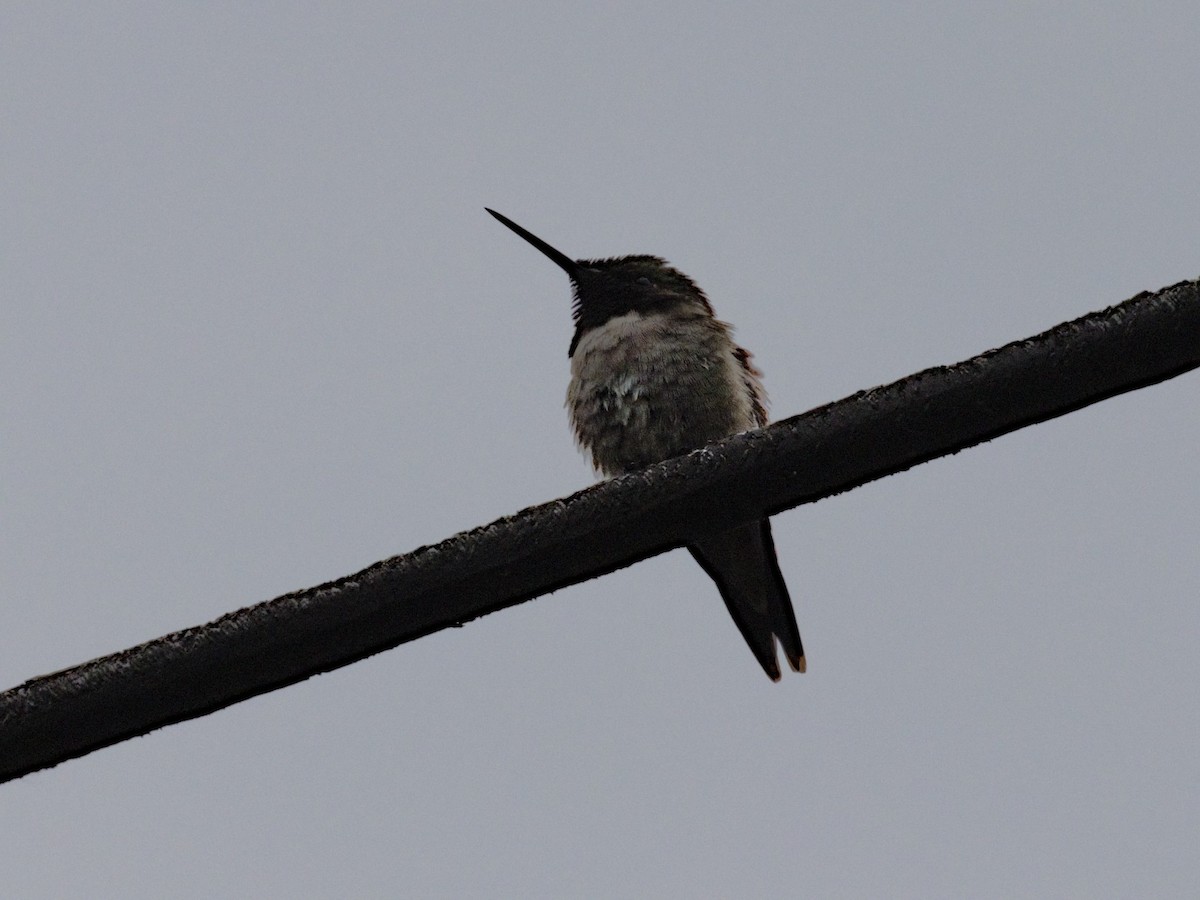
(742, 562)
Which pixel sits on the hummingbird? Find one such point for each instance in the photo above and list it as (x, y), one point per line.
(655, 374)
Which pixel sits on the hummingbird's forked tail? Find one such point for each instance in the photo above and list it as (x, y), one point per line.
(742, 562)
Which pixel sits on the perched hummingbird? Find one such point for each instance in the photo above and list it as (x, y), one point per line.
(653, 375)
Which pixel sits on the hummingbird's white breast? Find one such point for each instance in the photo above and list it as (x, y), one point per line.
(645, 387)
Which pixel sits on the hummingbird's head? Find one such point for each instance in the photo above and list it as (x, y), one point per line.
(606, 288)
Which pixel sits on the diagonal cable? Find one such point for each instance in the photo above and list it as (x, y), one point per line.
(831, 449)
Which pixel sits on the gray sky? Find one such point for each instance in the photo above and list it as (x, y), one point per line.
(259, 333)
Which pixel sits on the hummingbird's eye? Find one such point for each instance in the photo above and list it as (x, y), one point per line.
(644, 280)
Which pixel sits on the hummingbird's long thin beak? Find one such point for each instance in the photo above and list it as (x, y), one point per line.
(565, 262)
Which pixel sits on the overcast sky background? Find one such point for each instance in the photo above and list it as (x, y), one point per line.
(258, 333)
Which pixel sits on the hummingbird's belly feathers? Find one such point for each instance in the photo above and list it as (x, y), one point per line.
(647, 387)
